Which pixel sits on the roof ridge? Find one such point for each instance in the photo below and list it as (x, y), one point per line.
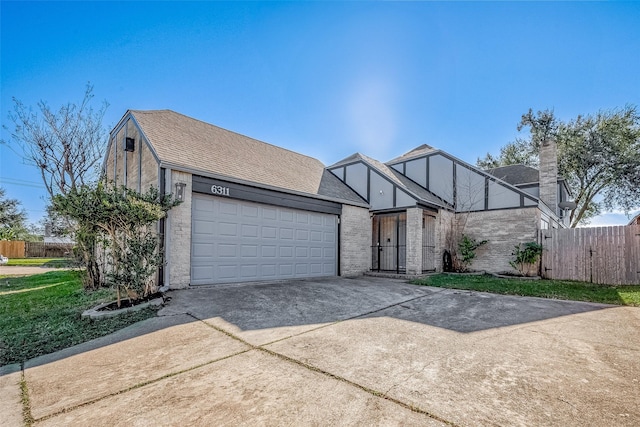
(230, 131)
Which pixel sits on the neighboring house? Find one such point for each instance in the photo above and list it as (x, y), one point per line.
(254, 211)
(57, 240)
(635, 220)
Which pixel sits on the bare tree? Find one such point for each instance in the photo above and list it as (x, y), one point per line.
(66, 145)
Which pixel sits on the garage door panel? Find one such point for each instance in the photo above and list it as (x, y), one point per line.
(269, 232)
(249, 271)
(227, 250)
(203, 227)
(227, 229)
(286, 270)
(226, 208)
(249, 251)
(249, 211)
(249, 230)
(236, 241)
(286, 216)
(269, 213)
(286, 251)
(269, 251)
(286, 233)
(203, 249)
(226, 271)
(201, 273)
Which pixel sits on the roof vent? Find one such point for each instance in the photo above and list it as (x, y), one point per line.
(129, 144)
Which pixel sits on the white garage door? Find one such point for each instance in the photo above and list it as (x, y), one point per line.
(239, 241)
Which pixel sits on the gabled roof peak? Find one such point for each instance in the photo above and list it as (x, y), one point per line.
(420, 150)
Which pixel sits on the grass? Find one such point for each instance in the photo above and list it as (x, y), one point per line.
(46, 315)
(42, 262)
(555, 289)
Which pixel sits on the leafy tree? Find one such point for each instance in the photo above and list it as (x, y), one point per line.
(598, 155)
(120, 222)
(12, 218)
(65, 145)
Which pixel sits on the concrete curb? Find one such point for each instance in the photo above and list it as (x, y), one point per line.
(95, 313)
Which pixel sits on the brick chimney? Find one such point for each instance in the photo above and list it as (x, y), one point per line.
(549, 174)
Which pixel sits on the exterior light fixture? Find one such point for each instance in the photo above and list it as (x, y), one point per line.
(129, 144)
(180, 191)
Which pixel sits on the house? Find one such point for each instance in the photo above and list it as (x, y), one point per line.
(635, 220)
(254, 211)
(527, 179)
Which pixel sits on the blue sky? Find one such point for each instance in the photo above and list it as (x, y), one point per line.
(326, 79)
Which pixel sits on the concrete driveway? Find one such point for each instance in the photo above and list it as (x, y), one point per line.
(365, 351)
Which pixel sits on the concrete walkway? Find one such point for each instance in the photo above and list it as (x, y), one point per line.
(18, 270)
(364, 351)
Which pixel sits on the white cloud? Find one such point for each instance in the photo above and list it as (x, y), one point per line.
(371, 116)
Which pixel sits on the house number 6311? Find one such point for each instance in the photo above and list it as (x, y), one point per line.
(220, 190)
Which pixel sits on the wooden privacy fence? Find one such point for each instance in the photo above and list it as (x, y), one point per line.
(12, 248)
(20, 249)
(602, 255)
(47, 250)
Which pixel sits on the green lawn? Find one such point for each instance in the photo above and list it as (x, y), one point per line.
(556, 289)
(42, 262)
(44, 315)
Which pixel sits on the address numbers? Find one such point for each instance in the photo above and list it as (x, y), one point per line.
(219, 190)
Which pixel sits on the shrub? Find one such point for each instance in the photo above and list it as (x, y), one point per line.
(118, 224)
(467, 251)
(525, 256)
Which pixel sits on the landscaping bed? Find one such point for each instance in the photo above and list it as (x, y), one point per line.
(45, 316)
(555, 289)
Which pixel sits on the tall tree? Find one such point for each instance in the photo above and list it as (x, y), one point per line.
(12, 218)
(65, 145)
(598, 155)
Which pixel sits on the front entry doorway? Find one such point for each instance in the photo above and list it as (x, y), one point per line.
(389, 249)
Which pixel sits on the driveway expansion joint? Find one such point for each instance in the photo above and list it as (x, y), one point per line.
(312, 368)
(136, 386)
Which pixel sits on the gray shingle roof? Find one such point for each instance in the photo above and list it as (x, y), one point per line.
(395, 176)
(416, 152)
(331, 186)
(190, 143)
(516, 174)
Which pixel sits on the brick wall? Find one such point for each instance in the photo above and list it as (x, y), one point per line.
(444, 222)
(503, 229)
(355, 241)
(178, 230)
(414, 241)
(549, 175)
